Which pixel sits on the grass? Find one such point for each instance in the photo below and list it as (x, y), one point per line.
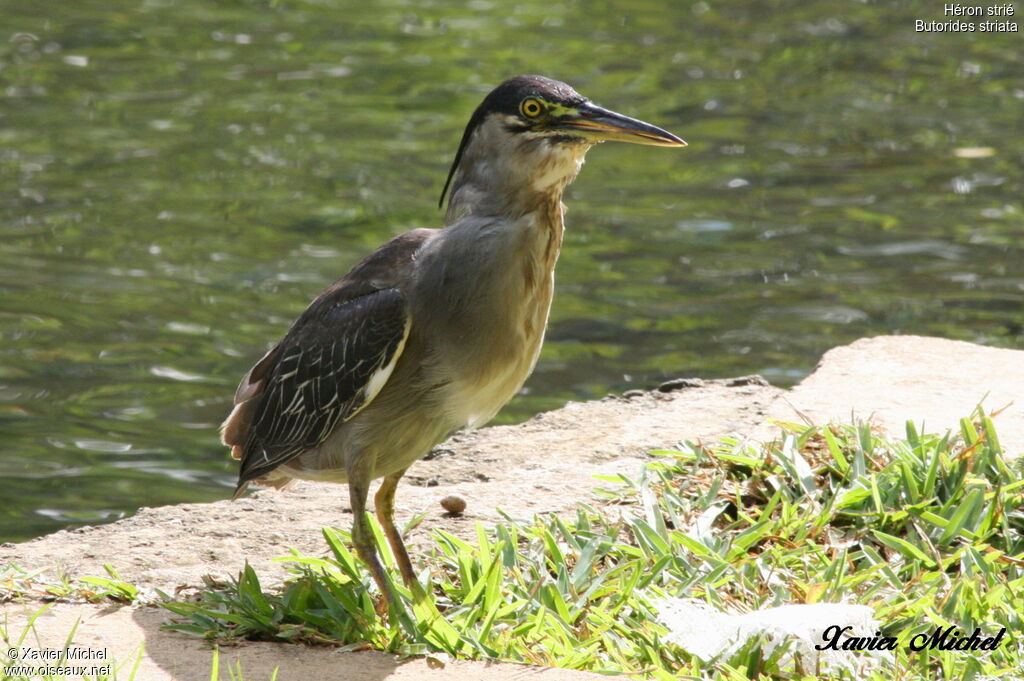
(16, 583)
(926, 530)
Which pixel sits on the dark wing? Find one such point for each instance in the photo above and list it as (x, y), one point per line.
(326, 371)
(334, 360)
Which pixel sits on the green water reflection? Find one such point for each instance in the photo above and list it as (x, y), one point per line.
(178, 178)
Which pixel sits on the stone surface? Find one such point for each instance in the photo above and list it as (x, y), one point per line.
(545, 465)
(931, 381)
(122, 634)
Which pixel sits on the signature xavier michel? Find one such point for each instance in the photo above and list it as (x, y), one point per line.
(948, 638)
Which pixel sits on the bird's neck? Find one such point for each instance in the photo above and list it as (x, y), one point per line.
(511, 176)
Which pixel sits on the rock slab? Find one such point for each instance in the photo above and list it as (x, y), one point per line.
(933, 382)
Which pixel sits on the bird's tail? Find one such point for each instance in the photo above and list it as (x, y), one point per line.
(240, 490)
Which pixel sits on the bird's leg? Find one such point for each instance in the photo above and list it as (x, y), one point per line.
(362, 537)
(385, 503)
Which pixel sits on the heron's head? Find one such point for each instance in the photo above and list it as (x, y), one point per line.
(530, 135)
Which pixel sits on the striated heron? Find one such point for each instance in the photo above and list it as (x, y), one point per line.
(438, 328)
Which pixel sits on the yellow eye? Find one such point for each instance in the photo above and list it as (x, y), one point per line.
(531, 107)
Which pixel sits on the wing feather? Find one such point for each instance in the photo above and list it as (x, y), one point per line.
(335, 359)
(330, 368)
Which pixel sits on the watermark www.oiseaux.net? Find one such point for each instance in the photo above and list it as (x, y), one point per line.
(74, 661)
(957, 18)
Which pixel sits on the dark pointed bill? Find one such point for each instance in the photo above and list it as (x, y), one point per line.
(601, 125)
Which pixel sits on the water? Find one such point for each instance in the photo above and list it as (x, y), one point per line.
(178, 179)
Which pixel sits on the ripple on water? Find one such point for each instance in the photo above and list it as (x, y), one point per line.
(176, 374)
(932, 247)
(184, 327)
(106, 446)
(837, 314)
(697, 226)
(67, 515)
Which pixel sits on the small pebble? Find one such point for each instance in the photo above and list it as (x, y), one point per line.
(454, 505)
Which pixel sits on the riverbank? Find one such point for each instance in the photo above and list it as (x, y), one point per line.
(545, 465)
